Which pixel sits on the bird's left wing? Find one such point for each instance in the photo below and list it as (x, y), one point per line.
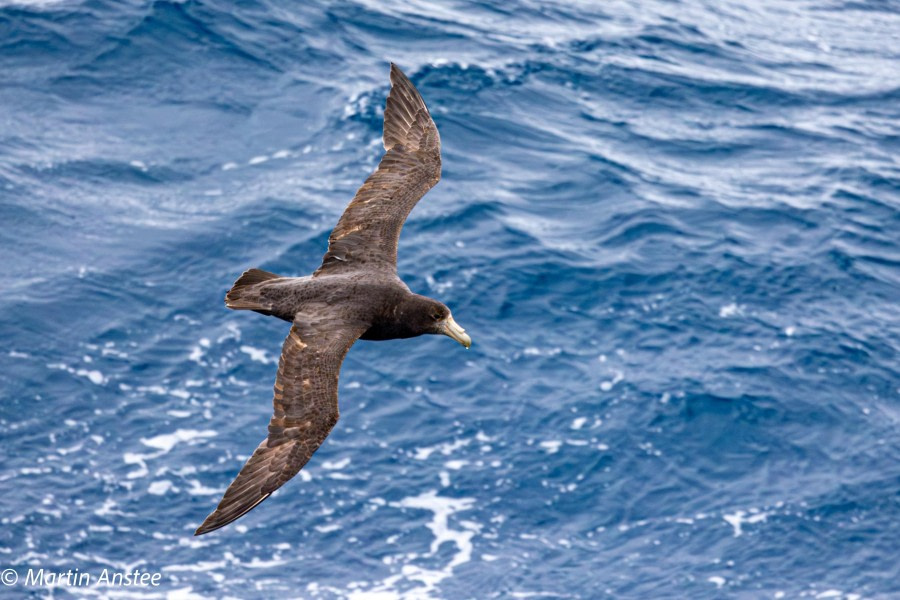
(306, 408)
(367, 233)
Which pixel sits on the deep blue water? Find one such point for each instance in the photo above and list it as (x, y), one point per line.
(670, 227)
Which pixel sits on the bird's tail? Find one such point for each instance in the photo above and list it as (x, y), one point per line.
(244, 294)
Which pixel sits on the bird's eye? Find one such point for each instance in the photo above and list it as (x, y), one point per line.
(436, 316)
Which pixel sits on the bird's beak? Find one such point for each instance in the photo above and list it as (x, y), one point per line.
(452, 329)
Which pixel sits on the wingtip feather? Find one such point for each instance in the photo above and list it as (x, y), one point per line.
(218, 519)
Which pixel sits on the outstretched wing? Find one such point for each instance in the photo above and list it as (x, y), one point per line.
(368, 231)
(306, 408)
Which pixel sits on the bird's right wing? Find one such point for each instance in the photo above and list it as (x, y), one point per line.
(306, 408)
(367, 234)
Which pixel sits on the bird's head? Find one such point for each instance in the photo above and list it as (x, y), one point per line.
(431, 316)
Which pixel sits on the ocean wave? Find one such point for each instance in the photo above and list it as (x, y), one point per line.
(669, 227)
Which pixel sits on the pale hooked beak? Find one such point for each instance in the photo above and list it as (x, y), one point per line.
(452, 329)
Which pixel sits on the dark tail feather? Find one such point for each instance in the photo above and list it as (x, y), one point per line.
(244, 295)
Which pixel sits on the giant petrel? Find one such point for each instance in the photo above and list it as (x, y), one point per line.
(354, 294)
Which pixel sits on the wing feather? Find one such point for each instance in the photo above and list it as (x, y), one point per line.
(367, 234)
(305, 410)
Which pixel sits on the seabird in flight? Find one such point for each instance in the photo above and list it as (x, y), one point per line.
(354, 294)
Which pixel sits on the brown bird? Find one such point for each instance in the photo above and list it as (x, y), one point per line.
(354, 294)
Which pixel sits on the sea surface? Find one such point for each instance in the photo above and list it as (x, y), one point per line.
(672, 229)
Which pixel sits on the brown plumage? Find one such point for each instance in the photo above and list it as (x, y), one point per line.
(354, 294)
(369, 229)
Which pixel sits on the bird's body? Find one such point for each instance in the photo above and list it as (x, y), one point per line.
(376, 301)
(354, 294)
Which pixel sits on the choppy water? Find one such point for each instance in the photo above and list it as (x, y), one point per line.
(670, 227)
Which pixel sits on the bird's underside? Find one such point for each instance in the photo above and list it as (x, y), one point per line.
(363, 244)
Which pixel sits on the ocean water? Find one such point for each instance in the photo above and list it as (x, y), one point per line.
(671, 228)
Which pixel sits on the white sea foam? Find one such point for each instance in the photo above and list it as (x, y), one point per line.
(198, 489)
(739, 518)
(446, 449)
(107, 508)
(533, 351)
(232, 332)
(729, 310)
(336, 464)
(93, 375)
(442, 508)
(257, 354)
(429, 578)
(551, 446)
(167, 441)
(608, 385)
(153, 389)
(196, 354)
(132, 458)
(159, 488)
(109, 349)
(70, 449)
(162, 444)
